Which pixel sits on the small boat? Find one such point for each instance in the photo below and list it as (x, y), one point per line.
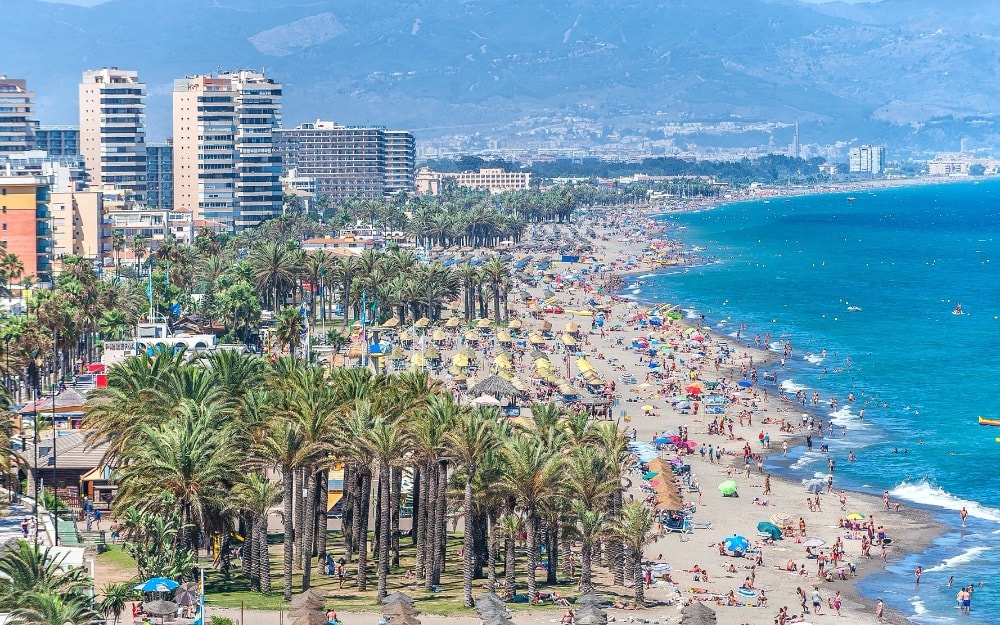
(854, 308)
(984, 421)
(851, 198)
(958, 309)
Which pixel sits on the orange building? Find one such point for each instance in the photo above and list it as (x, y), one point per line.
(24, 215)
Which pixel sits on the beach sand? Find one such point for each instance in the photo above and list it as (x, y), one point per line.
(911, 529)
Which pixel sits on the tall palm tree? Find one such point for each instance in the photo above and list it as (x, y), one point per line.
(41, 608)
(533, 471)
(634, 528)
(343, 273)
(472, 435)
(257, 495)
(388, 444)
(275, 266)
(289, 329)
(495, 272)
(590, 525)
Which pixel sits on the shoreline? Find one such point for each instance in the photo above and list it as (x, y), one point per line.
(924, 529)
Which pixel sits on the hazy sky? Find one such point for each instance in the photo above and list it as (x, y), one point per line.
(90, 3)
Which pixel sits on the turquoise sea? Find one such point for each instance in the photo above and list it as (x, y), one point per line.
(904, 256)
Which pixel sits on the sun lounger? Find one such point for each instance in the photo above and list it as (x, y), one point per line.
(683, 528)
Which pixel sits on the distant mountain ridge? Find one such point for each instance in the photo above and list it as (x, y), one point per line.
(916, 74)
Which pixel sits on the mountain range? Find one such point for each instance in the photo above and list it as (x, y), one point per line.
(916, 75)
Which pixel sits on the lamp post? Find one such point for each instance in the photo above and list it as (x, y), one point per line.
(6, 374)
(37, 391)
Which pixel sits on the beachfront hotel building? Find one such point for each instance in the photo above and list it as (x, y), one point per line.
(363, 162)
(17, 125)
(867, 159)
(495, 180)
(225, 166)
(113, 129)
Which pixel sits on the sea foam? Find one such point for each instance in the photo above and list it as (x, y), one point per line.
(955, 562)
(925, 493)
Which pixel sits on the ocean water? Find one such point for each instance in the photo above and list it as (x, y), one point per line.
(905, 257)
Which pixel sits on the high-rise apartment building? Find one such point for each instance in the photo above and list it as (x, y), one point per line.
(225, 165)
(364, 162)
(25, 223)
(867, 159)
(160, 175)
(58, 140)
(113, 129)
(17, 126)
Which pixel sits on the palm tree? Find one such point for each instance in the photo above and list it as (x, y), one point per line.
(388, 444)
(31, 568)
(257, 495)
(533, 471)
(343, 272)
(42, 608)
(590, 525)
(115, 599)
(634, 529)
(282, 446)
(472, 435)
(190, 457)
(139, 248)
(509, 525)
(275, 266)
(289, 329)
(495, 272)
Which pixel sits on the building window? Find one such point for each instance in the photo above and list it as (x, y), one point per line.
(5, 226)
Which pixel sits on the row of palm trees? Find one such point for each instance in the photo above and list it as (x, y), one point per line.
(184, 435)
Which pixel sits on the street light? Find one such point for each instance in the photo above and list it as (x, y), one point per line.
(55, 387)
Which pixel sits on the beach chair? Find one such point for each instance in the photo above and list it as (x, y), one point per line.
(684, 527)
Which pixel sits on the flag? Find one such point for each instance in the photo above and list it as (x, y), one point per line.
(149, 288)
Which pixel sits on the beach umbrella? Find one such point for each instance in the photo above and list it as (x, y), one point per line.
(813, 542)
(590, 619)
(159, 607)
(662, 440)
(781, 519)
(187, 594)
(397, 597)
(650, 475)
(399, 609)
(855, 516)
(815, 486)
(157, 584)
(589, 599)
(744, 383)
(766, 527)
(312, 617)
(728, 487)
(736, 544)
(697, 613)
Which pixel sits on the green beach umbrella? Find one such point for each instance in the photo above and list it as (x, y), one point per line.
(728, 487)
(650, 475)
(766, 527)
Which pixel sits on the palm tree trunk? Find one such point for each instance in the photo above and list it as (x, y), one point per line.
(467, 540)
(288, 480)
(491, 556)
(383, 530)
(347, 512)
(509, 570)
(615, 548)
(396, 485)
(587, 559)
(322, 519)
(552, 552)
(309, 527)
(299, 515)
(441, 521)
(365, 506)
(531, 524)
(421, 517)
(635, 570)
(262, 561)
(565, 551)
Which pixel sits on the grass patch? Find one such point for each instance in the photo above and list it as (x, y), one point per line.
(116, 557)
(235, 592)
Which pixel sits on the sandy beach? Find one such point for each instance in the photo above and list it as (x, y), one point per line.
(625, 251)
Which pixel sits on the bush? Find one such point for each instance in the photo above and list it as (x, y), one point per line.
(220, 620)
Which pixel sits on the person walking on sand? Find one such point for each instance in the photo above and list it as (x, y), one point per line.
(879, 610)
(767, 484)
(885, 499)
(817, 600)
(843, 500)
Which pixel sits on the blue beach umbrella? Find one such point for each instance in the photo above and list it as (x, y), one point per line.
(157, 584)
(662, 440)
(736, 544)
(744, 384)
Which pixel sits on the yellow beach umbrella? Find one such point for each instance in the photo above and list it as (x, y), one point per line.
(423, 322)
(568, 340)
(454, 322)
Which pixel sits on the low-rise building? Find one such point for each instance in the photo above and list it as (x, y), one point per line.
(496, 180)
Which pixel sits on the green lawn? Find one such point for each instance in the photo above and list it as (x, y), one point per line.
(448, 601)
(116, 557)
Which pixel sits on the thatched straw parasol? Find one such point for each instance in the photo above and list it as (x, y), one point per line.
(397, 597)
(697, 614)
(311, 618)
(400, 608)
(496, 386)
